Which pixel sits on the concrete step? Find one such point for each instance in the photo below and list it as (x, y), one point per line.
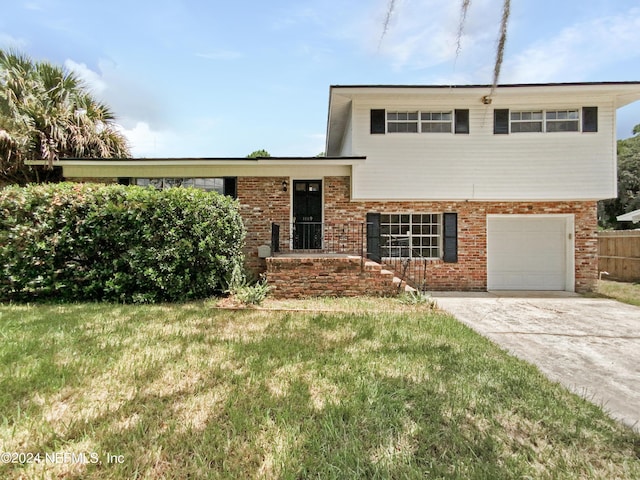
(403, 285)
(372, 266)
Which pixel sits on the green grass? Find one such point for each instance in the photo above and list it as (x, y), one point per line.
(622, 291)
(191, 391)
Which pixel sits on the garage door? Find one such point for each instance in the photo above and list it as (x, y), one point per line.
(526, 253)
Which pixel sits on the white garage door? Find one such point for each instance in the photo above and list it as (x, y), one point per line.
(526, 252)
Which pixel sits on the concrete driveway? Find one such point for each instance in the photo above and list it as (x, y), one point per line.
(590, 345)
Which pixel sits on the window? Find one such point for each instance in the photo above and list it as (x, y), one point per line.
(562, 121)
(414, 235)
(435, 122)
(220, 185)
(506, 121)
(430, 122)
(448, 121)
(526, 121)
(402, 122)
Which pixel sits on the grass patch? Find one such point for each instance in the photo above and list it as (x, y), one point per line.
(622, 291)
(190, 391)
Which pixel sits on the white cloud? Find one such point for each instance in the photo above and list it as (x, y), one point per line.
(579, 51)
(148, 143)
(92, 79)
(130, 102)
(422, 33)
(11, 42)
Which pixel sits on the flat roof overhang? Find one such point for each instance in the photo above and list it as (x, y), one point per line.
(205, 167)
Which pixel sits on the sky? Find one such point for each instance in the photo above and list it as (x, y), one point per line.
(196, 78)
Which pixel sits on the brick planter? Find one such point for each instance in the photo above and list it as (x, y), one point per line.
(339, 276)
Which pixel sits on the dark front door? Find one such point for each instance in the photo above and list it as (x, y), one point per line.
(307, 214)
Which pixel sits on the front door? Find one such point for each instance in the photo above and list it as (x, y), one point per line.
(307, 214)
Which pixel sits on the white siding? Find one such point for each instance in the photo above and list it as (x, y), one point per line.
(347, 144)
(481, 165)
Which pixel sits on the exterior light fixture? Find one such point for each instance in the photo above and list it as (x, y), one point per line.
(285, 185)
(486, 100)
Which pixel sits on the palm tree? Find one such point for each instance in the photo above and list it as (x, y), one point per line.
(47, 113)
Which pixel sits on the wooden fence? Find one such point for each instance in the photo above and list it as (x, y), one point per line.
(619, 255)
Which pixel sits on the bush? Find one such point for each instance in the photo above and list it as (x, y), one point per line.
(116, 243)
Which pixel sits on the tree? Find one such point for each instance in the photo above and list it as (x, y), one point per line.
(47, 113)
(628, 184)
(258, 154)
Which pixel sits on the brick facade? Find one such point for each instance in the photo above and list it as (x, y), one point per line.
(263, 201)
(345, 276)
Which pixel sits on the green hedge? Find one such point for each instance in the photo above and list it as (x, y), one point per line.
(76, 242)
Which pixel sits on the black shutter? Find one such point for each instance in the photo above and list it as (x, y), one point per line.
(501, 121)
(125, 181)
(230, 186)
(373, 237)
(378, 121)
(450, 240)
(589, 119)
(462, 121)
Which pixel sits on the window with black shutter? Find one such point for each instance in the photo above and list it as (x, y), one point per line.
(450, 237)
(378, 121)
(230, 186)
(589, 119)
(501, 121)
(462, 121)
(373, 237)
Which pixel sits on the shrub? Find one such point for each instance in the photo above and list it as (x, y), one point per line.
(116, 243)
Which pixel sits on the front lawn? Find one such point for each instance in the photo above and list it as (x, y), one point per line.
(190, 391)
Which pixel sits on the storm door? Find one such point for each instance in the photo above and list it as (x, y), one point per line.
(307, 214)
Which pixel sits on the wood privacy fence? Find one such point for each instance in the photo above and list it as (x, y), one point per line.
(619, 255)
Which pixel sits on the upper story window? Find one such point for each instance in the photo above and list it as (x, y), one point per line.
(402, 122)
(436, 122)
(517, 121)
(562, 121)
(526, 122)
(448, 121)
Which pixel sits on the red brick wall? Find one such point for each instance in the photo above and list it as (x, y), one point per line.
(294, 277)
(263, 202)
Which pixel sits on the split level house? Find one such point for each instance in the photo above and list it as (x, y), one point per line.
(456, 187)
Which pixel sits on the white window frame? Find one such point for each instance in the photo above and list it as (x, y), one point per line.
(408, 235)
(562, 116)
(544, 118)
(403, 122)
(526, 117)
(418, 121)
(437, 120)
